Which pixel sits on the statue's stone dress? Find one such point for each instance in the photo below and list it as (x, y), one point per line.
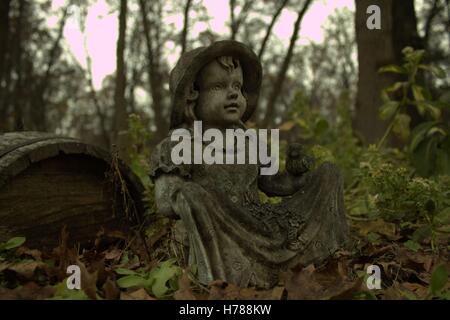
(236, 238)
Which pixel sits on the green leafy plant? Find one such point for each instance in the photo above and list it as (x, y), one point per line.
(139, 154)
(12, 243)
(439, 280)
(430, 148)
(6, 247)
(160, 281)
(405, 200)
(64, 293)
(314, 127)
(429, 145)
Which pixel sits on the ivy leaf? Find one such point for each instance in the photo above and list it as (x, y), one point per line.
(165, 272)
(412, 245)
(123, 271)
(439, 279)
(13, 243)
(392, 68)
(434, 112)
(419, 133)
(388, 109)
(418, 92)
(131, 281)
(395, 86)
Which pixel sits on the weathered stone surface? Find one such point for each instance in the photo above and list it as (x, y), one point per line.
(232, 235)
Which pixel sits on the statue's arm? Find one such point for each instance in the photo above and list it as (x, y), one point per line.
(166, 190)
(289, 182)
(279, 185)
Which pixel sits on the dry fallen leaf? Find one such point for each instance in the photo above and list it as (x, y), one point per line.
(110, 289)
(113, 254)
(184, 292)
(329, 282)
(139, 294)
(34, 253)
(29, 291)
(27, 268)
(88, 281)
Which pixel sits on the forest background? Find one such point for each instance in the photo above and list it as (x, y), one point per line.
(376, 102)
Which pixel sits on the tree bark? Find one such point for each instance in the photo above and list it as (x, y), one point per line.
(4, 41)
(270, 110)
(4, 34)
(186, 26)
(270, 27)
(154, 76)
(17, 58)
(120, 116)
(232, 19)
(377, 48)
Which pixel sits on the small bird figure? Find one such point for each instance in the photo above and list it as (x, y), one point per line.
(297, 162)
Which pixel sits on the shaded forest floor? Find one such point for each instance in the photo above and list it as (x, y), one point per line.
(120, 267)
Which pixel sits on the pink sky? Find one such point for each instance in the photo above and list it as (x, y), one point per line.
(101, 30)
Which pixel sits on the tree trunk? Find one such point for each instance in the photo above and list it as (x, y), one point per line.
(120, 116)
(4, 34)
(270, 111)
(154, 76)
(377, 48)
(17, 58)
(4, 41)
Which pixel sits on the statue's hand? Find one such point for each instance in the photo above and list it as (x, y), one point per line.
(297, 162)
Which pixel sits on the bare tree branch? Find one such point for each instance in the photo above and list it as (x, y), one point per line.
(120, 116)
(186, 26)
(236, 22)
(270, 111)
(270, 27)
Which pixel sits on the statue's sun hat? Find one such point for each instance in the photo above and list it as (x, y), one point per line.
(190, 63)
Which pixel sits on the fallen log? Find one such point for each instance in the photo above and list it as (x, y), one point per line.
(48, 182)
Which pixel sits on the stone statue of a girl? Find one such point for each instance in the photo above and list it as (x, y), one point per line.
(232, 235)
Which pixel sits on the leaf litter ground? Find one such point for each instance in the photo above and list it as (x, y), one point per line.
(122, 267)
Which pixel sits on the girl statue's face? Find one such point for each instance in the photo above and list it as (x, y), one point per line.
(220, 102)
